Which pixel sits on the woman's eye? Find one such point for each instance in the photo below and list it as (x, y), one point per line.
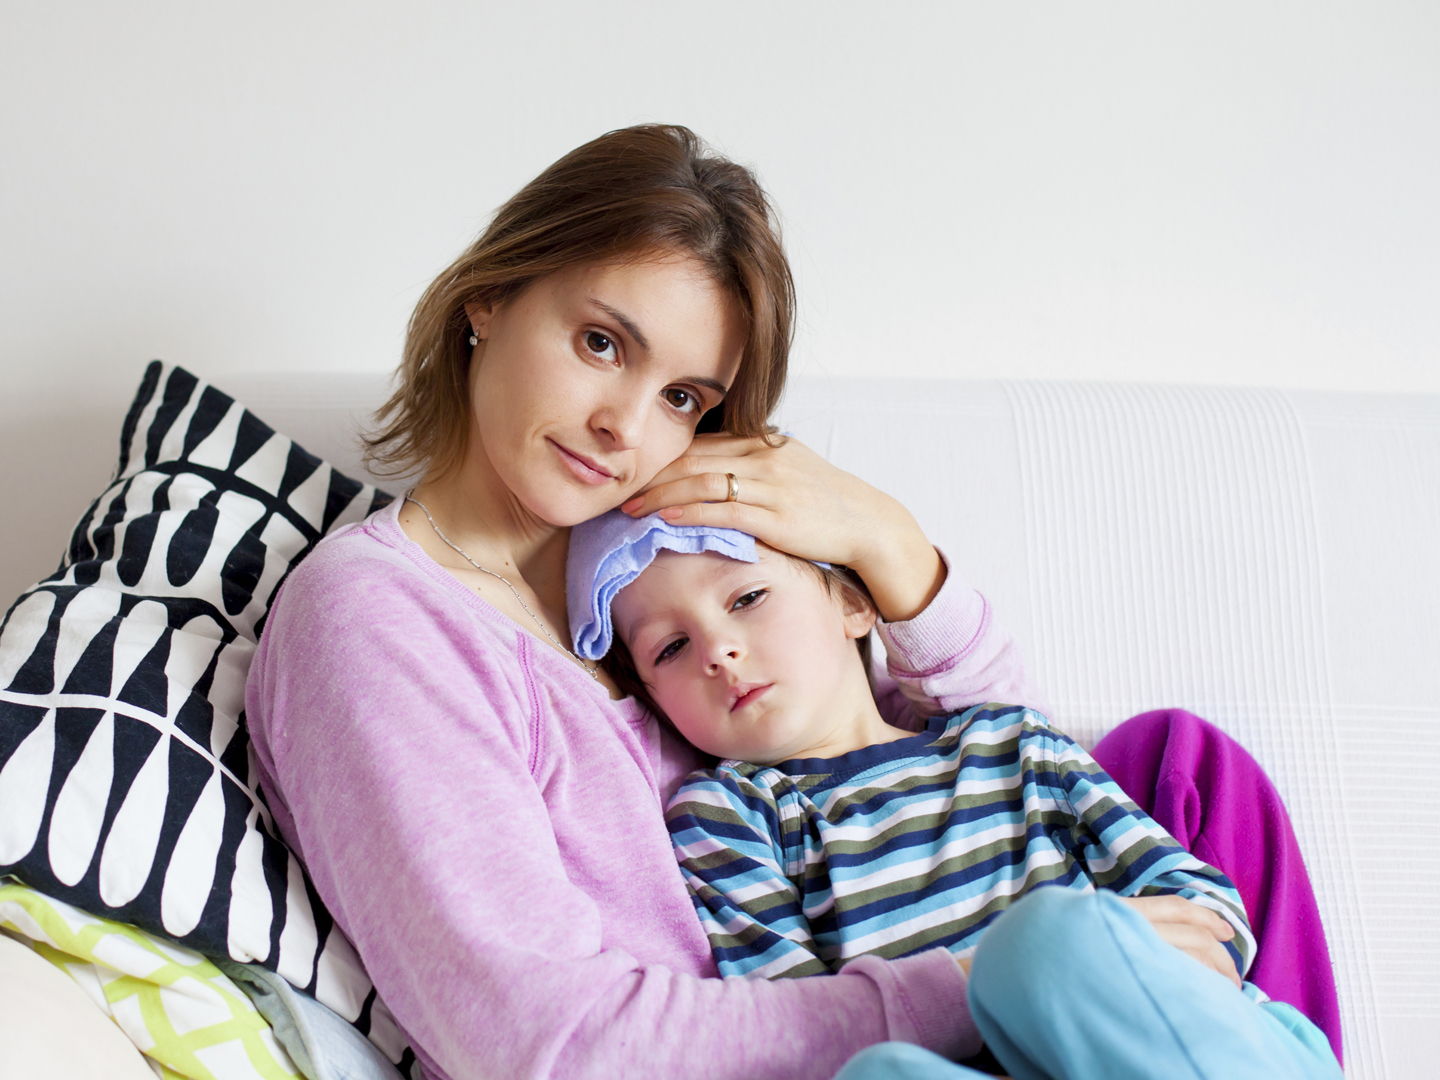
(601, 345)
(750, 599)
(681, 400)
(671, 651)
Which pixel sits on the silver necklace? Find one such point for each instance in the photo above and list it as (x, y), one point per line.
(593, 672)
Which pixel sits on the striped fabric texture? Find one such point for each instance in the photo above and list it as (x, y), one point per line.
(127, 786)
(889, 850)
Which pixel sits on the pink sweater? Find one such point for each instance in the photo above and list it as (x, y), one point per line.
(485, 825)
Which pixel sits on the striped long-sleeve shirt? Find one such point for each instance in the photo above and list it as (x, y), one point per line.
(893, 849)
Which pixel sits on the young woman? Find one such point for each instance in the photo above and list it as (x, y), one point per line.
(478, 807)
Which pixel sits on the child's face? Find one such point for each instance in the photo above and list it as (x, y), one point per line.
(755, 661)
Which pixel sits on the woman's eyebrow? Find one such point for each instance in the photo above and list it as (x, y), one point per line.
(710, 384)
(640, 339)
(625, 321)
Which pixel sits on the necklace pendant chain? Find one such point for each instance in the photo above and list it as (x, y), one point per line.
(593, 672)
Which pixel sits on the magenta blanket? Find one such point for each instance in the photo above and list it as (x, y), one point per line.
(1212, 796)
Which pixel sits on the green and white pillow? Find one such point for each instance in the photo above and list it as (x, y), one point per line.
(184, 1014)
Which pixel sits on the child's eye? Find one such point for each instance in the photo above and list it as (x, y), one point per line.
(681, 400)
(750, 599)
(601, 346)
(670, 651)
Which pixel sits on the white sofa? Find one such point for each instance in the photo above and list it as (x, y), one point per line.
(1269, 560)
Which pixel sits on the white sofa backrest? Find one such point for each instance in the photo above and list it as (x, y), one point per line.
(1269, 560)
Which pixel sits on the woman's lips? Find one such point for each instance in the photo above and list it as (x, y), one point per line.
(583, 468)
(744, 694)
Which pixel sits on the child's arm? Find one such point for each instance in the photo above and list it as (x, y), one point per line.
(1122, 847)
(727, 836)
(952, 655)
(739, 841)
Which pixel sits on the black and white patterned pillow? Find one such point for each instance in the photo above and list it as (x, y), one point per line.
(127, 780)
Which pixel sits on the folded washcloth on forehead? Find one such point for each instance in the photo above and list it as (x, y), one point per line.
(610, 551)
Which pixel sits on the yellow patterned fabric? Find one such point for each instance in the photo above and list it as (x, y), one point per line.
(186, 1016)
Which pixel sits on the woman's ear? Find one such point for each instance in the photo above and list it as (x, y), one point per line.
(479, 315)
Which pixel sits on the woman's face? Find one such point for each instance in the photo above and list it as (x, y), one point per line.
(592, 380)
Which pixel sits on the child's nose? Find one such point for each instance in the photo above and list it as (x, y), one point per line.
(722, 655)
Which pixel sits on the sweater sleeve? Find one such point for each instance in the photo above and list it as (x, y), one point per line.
(410, 797)
(953, 655)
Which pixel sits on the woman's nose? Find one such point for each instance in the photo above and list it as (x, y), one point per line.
(621, 423)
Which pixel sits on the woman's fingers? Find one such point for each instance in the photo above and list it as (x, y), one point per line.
(733, 445)
(693, 478)
(707, 487)
(731, 453)
(700, 456)
(1201, 944)
(724, 515)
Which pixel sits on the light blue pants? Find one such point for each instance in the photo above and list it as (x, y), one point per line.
(1074, 986)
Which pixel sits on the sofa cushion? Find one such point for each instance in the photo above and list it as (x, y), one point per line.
(127, 780)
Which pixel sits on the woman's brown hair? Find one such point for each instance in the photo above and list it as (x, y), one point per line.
(642, 189)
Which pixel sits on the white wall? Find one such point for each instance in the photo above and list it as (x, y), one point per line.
(1222, 192)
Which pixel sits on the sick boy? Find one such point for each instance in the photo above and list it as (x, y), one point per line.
(825, 833)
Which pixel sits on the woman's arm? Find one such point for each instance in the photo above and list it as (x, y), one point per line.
(956, 654)
(409, 787)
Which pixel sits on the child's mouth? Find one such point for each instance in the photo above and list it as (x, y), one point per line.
(744, 694)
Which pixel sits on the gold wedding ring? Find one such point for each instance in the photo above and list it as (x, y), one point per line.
(734, 492)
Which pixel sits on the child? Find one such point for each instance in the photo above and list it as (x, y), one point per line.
(825, 833)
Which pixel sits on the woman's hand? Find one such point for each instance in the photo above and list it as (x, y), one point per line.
(795, 501)
(1191, 929)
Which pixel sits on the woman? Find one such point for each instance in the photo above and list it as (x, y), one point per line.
(479, 811)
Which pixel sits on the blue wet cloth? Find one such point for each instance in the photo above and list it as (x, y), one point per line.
(610, 551)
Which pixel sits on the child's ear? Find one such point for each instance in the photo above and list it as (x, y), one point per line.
(859, 616)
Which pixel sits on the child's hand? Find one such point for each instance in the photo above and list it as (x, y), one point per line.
(1191, 929)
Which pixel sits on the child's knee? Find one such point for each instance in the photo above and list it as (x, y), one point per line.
(1031, 949)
